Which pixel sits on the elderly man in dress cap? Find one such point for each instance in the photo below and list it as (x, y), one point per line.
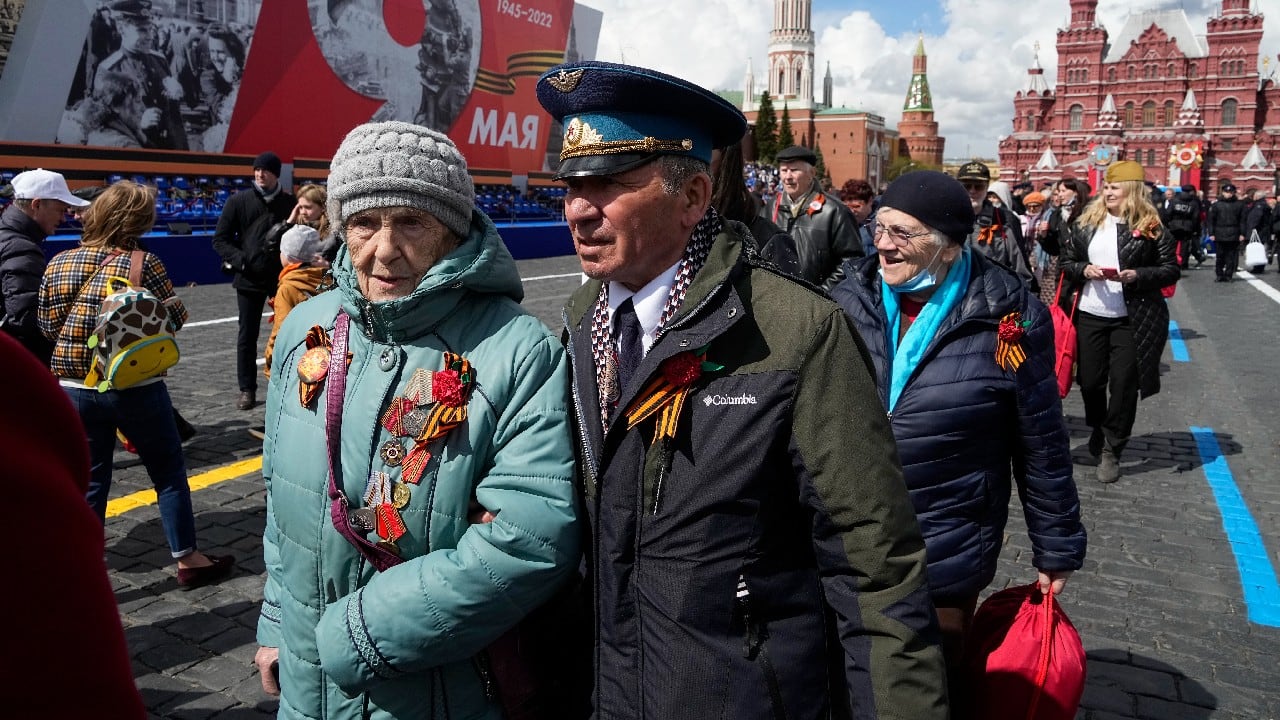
(825, 231)
(753, 552)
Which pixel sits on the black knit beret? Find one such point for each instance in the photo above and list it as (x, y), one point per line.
(935, 199)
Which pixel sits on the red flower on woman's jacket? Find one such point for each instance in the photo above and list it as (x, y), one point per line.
(446, 388)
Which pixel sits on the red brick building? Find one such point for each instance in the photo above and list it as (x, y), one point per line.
(855, 144)
(1189, 106)
(917, 129)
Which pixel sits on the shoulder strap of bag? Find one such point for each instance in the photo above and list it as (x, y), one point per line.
(94, 274)
(137, 259)
(1058, 295)
(379, 557)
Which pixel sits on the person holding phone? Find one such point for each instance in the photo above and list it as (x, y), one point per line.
(1115, 259)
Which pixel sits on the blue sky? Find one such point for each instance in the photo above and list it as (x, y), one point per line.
(897, 17)
(979, 50)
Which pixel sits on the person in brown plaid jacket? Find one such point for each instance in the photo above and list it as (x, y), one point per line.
(71, 292)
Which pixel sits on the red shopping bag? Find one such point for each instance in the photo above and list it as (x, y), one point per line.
(1064, 341)
(1025, 657)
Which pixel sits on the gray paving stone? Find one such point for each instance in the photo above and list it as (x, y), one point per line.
(217, 673)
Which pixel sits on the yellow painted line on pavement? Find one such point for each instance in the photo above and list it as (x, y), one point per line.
(142, 498)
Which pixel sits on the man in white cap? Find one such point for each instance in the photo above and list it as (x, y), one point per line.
(41, 201)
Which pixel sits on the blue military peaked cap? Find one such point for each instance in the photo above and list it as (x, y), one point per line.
(619, 117)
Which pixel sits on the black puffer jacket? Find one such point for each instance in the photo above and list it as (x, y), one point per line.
(22, 264)
(966, 429)
(241, 238)
(1157, 267)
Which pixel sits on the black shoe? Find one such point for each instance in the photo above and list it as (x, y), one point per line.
(192, 578)
(186, 430)
(247, 399)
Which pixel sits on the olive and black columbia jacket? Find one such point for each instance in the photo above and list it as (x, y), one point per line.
(766, 562)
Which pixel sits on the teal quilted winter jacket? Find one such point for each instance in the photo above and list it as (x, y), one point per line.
(357, 643)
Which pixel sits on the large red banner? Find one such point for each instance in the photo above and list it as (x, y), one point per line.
(477, 86)
(294, 76)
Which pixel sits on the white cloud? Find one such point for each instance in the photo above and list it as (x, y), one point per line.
(975, 67)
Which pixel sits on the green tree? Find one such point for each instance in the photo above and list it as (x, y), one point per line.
(785, 137)
(765, 132)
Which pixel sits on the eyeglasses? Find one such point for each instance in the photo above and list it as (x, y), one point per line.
(1034, 206)
(899, 236)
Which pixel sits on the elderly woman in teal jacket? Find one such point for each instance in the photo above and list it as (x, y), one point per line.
(419, 495)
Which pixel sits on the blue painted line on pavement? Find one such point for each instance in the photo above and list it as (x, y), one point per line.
(1257, 576)
(1176, 345)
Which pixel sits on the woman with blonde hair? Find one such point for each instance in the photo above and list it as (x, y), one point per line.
(71, 293)
(1115, 259)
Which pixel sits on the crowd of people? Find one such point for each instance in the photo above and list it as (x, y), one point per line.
(810, 536)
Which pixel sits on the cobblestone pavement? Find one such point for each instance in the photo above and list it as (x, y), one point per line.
(1159, 603)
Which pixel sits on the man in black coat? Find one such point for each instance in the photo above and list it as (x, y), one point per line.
(1226, 230)
(241, 240)
(41, 201)
(825, 232)
(1182, 217)
(1258, 218)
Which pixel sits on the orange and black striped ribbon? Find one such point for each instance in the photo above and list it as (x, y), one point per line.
(659, 395)
(522, 64)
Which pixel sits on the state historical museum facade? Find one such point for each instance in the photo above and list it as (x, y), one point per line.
(1190, 108)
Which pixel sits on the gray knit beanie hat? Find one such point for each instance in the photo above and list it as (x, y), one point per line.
(394, 164)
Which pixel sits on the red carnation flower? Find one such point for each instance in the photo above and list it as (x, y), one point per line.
(682, 369)
(1009, 331)
(446, 388)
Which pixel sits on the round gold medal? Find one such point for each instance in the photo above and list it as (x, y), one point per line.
(314, 364)
(400, 494)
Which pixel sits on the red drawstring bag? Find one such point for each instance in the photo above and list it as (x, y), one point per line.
(1064, 340)
(1025, 657)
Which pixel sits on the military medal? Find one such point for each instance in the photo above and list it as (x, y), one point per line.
(419, 388)
(400, 494)
(392, 453)
(413, 422)
(377, 492)
(362, 518)
(414, 463)
(393, 418)
(390, 525)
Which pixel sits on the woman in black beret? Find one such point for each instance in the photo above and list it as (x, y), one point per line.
(963, 357)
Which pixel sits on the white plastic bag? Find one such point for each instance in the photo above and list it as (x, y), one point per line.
(1255, 253)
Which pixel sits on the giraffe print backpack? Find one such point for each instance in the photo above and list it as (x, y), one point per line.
(133, 339)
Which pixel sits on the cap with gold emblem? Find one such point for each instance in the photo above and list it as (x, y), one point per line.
(974, 170)
(619, 117)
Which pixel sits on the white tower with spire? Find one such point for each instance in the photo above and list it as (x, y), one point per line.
(791, 57)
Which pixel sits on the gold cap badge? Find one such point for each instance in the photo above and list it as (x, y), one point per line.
(566, 81)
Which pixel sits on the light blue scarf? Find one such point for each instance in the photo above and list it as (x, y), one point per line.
(907, 354)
